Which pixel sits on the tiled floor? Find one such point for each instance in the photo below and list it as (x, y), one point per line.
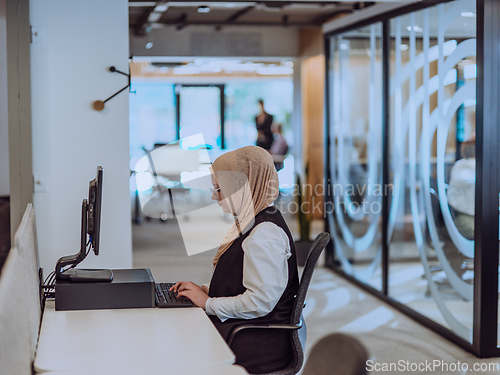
(333, 304)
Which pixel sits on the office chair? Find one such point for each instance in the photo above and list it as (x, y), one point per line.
(297, 325)
(337, 353)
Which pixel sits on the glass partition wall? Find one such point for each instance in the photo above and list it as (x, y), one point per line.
(404, 114)
(356, 147)
(432, 107)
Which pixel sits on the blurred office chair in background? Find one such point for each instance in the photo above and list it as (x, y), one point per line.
(337, 354)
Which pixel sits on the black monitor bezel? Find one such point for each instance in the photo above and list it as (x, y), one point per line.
(94, 210)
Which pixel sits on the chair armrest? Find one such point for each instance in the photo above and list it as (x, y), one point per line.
(291, 327)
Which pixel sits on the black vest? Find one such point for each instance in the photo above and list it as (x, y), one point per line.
(259, 351)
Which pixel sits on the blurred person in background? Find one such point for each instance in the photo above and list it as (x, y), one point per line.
(279, 147)
(263, 122)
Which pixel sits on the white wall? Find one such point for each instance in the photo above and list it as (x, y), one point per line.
(274, 41)
(4, 123)
(77, 42)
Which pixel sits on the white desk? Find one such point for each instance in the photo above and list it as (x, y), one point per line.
(181, 370)
(130, 339)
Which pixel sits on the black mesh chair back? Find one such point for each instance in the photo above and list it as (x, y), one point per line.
(299, 336)
(317, 247)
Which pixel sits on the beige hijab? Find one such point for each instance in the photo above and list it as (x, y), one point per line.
(249, 181)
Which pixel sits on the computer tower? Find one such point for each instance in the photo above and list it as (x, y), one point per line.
(130, 288)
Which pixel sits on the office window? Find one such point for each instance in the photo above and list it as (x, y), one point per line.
(152, 117)
(242, 108)
(200, 113)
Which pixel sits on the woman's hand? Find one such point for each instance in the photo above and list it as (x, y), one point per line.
(197, 294)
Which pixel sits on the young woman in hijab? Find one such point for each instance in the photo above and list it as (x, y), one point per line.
(255, 276)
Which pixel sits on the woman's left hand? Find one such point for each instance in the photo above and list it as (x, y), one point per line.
(194, 293)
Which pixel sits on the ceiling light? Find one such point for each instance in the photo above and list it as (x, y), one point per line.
(157, 12)
(275, 70)
(415, 28)
(149, 43)
(161, 7)
(468, 14)
(154, 16)
(203, 9)
(187, 70)
(403, 47)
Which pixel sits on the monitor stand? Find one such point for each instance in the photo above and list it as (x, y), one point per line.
(75, 274)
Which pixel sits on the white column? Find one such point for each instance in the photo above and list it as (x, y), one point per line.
(76, 43)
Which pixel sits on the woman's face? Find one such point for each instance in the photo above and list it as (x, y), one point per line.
(221, 200)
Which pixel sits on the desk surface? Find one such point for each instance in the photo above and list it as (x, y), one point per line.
(181, 370)
(127, 339)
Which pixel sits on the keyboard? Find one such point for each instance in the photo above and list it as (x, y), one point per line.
(166, 298)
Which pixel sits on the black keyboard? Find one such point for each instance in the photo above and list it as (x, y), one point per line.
(166, 298)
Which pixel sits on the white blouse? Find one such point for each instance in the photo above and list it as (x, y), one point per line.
(265, 275)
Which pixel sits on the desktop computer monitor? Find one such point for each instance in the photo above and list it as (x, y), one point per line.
(94, 210)
(90, 225)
